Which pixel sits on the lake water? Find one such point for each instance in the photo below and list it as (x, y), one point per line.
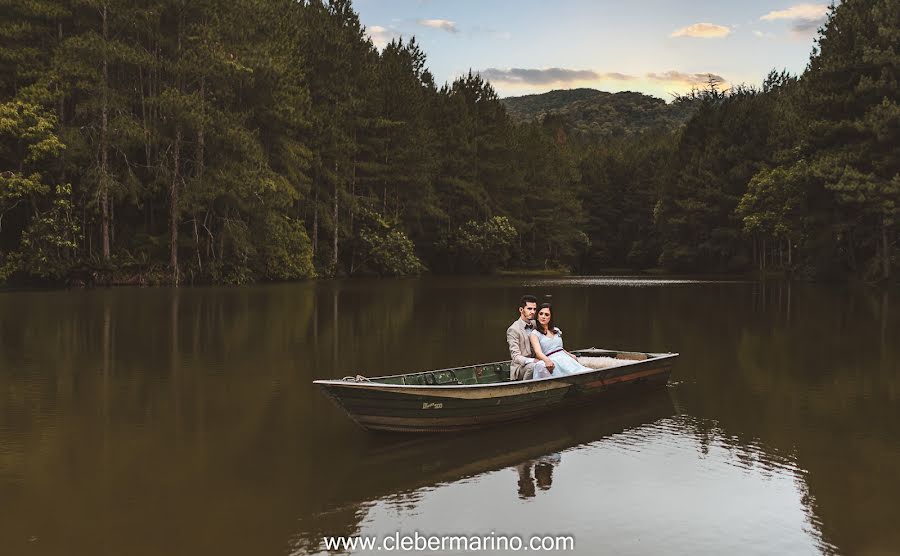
(160, 421)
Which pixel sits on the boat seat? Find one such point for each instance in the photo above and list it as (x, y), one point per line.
(602, 362)
(441, 378)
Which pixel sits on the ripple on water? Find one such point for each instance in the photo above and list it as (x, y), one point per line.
(678, 485)
(623, 281)
(665, 435)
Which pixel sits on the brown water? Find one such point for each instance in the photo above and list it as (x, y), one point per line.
(160, 421)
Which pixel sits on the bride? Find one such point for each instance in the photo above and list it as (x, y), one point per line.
(546, 339)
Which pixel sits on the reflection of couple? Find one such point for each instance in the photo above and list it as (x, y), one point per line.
(543, 474)
(536, 348)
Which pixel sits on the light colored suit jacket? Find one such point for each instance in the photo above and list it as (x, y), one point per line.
(519, 347)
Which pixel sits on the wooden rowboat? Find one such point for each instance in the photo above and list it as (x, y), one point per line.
(481, 395)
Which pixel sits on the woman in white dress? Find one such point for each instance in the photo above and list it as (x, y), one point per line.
(546, 339)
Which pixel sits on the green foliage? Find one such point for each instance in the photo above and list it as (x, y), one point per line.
(547, 206)
(840, 159)
(775, 201)
(591, 115)
(384, 249)
(42, 244)
(479, 246)
(230, 142)
(534, 107)
(717, 154)
(284, 249)
(622, 180)
(28, 131)
(47, 244)
(27, 140)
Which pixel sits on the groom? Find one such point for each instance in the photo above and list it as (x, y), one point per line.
(517, 336)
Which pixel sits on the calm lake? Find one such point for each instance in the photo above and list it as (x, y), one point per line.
(183, 422)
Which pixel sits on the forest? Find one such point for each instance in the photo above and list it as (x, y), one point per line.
(589, 115)
(230, 142)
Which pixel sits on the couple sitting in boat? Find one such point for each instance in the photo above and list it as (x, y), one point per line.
(536, 346)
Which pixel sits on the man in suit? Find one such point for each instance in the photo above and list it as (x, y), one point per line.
(517, 336)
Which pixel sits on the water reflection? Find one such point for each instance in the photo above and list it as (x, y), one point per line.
(610, 490)
(536, 473)
(623, 281)
(399, 470)
(183, 422)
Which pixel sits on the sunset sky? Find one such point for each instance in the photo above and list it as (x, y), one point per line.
(658, 47)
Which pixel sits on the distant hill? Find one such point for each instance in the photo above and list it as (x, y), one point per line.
(600, 114)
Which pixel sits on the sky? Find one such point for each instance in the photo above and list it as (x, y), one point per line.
(657, 47)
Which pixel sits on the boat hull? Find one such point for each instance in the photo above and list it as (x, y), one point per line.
(443, 408)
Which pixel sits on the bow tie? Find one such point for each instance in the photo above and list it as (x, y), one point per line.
(529, 325)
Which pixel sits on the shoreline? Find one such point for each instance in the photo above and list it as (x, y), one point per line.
(141, 282)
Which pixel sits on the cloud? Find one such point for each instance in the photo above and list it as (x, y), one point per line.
(526, 76)
(381, 36)
(762, 35)
(689, 79)
(478, 30)
(614, 76)
(806, 18)
(702, 31)
(523, 78)
(441, 24)
(800, 11)
(537, 76)
(807, 26)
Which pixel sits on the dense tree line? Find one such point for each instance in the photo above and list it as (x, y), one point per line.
(228, 142)
(800, 175)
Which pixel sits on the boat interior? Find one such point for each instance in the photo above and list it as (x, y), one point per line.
(498, 372)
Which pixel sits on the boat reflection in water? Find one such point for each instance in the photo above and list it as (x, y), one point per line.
(396, 468)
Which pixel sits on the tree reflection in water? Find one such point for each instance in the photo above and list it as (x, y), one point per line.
(184, 422)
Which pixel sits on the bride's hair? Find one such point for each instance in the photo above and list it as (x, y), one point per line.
(537, 323)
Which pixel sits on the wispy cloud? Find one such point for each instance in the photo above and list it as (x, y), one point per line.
(381, 36)
(806, 18)
(547, 76)
(615, 76)
(800, 11)
(761, 35)
(805, 27)
(442, 24)
(479, 31)
(689, 79)
(702, 31)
